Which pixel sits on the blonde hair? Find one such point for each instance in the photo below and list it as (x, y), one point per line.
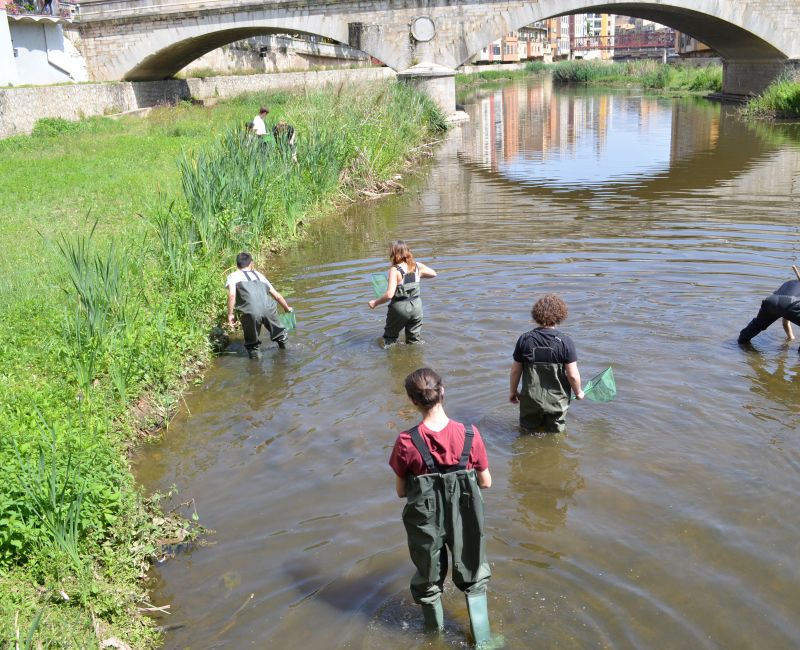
(399, 252)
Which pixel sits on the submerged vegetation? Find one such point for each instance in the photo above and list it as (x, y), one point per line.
(780, 100)
(106, 319)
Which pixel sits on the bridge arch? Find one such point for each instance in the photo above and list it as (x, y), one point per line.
(167, 51)
(722, 24)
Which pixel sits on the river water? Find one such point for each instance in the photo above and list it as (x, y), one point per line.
(667, 518)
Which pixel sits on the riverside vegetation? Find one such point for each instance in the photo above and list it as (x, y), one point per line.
(781, 100)
(106, 318)
(651, 75)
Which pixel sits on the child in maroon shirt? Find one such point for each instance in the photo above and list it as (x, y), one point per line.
(440, 467)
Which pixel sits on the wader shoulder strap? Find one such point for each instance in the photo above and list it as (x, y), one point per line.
(468, 436)
(430, 464)
(248, 277)
(423, 450)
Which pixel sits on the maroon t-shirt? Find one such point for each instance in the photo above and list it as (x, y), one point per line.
(445, 445)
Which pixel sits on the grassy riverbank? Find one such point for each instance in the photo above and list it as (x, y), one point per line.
(105, 324)
(781, 100)
(650, 75)
(500, 74)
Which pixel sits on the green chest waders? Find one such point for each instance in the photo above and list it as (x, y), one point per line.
(256, 308)
(444, 510)
(405, 309)
(545, 394)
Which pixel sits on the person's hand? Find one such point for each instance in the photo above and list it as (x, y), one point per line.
(231, 321)
(289, 310)
(371, 304)
(580, 395)
(513, 397)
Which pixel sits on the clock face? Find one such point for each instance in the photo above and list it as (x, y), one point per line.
(423, 29)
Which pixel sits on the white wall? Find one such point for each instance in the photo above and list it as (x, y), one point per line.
(44, 56)
(8, 66)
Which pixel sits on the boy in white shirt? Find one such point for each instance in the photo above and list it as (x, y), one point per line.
(259, 128)
(252, 295)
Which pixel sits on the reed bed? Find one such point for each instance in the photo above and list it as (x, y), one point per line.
(647, 74)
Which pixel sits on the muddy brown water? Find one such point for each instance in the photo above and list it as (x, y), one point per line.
(665, 519)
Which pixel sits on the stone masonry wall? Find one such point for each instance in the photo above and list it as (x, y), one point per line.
(21, 107)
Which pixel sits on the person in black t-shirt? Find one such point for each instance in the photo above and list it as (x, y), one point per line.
(546, 361)
(783, 303)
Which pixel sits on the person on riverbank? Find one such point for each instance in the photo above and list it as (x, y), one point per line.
(546, 361)
(440, 468)
(285, 138)
(254, 298)
(259, 127)
(783, 303)
(403, 295)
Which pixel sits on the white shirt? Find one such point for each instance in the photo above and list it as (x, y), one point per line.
(259, 128)
(239, 276)
(417, 273)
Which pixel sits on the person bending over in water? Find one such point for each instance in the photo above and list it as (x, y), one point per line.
(254, 298)
(783, 303)
(403, 295)
(546, 361)
(440, 467)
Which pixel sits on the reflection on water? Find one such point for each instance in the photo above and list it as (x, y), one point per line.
(544, 478)
(533, 135)
(664, 519)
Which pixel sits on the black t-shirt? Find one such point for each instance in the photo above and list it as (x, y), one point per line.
(546, 345)
(790, 288)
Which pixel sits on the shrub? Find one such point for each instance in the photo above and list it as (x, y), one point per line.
(781, 99)
(47, 127)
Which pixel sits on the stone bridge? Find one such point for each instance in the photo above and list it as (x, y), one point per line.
(424, 40)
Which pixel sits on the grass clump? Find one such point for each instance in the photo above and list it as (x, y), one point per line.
(780, 100)
(106, 319)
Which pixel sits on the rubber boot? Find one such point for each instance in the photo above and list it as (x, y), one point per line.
(434, 616)
(478, 609)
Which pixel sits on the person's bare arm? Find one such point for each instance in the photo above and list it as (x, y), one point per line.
(394, 278)
(279, 299)
(484, 479)
(231, 303)
(787, 327)
(516, 375)
(400, 486)
(574, 378)
(426, 271)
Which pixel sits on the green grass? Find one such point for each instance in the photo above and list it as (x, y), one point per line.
(499, 74)
(780, 100)
(651, 75)
(117, 237)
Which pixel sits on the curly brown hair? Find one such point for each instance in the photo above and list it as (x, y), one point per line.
(550, 310)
